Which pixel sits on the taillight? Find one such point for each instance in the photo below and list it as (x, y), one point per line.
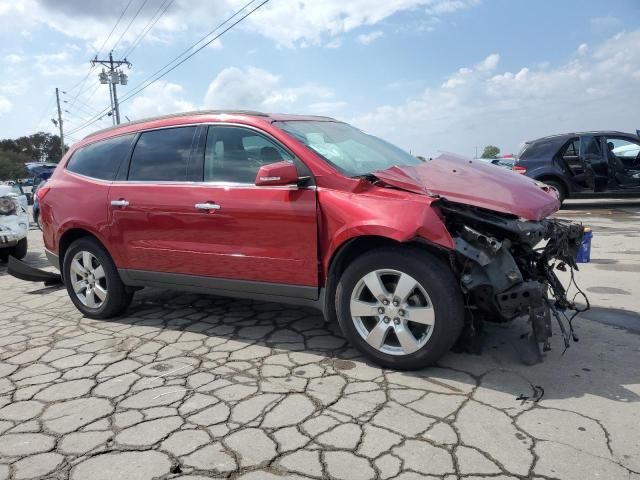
(42, 192)
(519, 169)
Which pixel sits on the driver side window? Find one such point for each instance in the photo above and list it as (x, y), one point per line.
(235, 154)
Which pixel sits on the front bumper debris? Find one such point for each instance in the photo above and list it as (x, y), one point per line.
(13, 228)
(21, 270)
(507, 269)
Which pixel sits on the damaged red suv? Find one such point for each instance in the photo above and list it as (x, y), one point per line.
(311, 211)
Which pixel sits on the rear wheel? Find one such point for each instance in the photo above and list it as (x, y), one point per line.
(92, 280)
(402, 308)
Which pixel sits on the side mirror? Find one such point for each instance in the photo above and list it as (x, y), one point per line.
(278, 174)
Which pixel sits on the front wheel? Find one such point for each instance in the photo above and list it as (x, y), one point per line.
(92, 280)
(401, 307)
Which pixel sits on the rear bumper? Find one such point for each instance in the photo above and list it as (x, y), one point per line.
(53, 259)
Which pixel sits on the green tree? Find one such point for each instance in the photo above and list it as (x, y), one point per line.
(12, 165)
(38, 147)
(490, 151)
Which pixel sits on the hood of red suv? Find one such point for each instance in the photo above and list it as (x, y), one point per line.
(476, 183)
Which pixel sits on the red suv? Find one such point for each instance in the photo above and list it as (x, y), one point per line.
(302, 210)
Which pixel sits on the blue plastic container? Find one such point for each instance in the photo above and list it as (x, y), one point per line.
(584, 254)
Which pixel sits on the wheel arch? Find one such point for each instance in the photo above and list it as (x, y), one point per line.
(564, 185)
(356, 246)
(70, 236)
(556, 178)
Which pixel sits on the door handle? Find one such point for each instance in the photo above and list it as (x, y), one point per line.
(119, 203)
(207, 206)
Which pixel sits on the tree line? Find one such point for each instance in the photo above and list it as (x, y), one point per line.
(38, 147)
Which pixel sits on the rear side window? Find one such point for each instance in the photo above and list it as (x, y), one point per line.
(572, 149)
(164, 155)
(101, 160)
(539, 149)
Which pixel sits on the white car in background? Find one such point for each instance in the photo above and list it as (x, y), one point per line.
(629, 150)
(14, 222)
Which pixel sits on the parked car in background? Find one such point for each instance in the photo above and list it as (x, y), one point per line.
(304, 210)
(43, 177)
(14, 222)
(506, 163)
(583, 165)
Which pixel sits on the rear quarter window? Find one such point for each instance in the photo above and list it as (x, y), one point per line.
(102, 159)
(542, 150)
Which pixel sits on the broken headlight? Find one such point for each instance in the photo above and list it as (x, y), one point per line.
(7, 206)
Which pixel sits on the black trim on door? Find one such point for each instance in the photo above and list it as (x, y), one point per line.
(273, 292)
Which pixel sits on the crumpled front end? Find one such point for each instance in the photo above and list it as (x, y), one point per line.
(507, 267)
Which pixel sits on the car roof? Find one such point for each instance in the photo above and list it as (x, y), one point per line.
(204, 115)
(565, 136)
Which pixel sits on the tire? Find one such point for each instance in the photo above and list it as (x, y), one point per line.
(97, 293)
(19, 251)
(428, 319)
(559, 187)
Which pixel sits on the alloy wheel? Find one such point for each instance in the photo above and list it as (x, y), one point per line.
(392, 312)
(88, 279)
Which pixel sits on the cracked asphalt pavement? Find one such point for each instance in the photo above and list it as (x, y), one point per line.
(194, 386)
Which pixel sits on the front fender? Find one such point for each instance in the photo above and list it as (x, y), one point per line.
(401, 217)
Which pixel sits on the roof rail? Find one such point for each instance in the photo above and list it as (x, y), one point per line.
(180, 114)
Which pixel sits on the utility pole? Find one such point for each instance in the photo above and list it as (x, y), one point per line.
(60, 124)
(113, 76)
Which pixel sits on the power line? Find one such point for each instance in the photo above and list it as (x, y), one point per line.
(115, 45)
(139, 89)
(84, 80)
(158, 73)
(82, 103)
(114, 27)
(162, 9)
(46, 110)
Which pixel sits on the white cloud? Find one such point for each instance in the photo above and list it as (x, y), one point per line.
(367, 38)
(605, 23)
(292, 23)
(13, 58)
(464, 74)
(5, 105)
(257, 89)
(158, 99)
(287, 22)
(583, 49)
(59, 64)
(477, 106)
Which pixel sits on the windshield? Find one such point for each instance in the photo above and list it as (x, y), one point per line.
(348, 149)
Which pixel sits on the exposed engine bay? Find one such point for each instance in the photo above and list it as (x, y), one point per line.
(507, 269)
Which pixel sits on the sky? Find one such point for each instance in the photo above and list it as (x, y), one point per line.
(427, 75)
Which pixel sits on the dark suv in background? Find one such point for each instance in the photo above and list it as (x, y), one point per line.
(582, 165)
